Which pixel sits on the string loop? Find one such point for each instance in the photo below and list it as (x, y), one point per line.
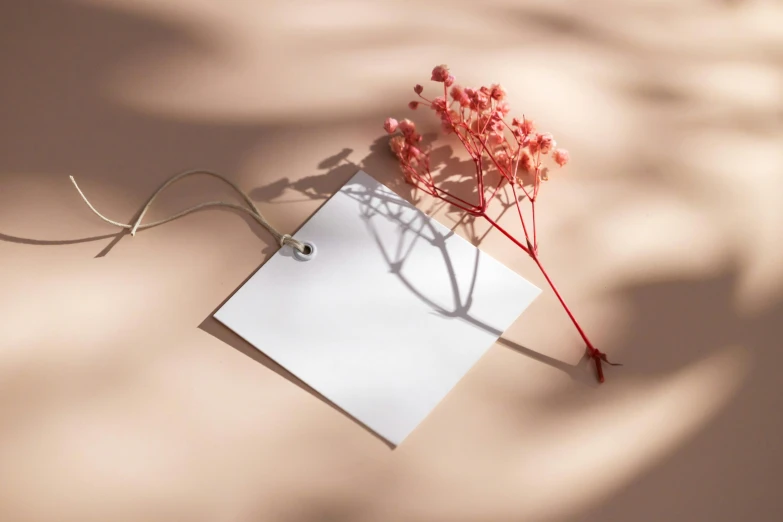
(282, 239)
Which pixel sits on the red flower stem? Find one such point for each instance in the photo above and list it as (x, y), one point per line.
(503, 231)
(495, 191)
(521, 218)
(535, 234)
(562, 302)
(531, 250)
(471, 206)
(591, 350)
(594, 353)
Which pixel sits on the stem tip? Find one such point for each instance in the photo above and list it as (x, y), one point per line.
(598, 358)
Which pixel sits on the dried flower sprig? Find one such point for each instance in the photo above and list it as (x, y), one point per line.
(477, 117)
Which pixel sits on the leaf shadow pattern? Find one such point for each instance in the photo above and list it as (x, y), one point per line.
(680, 323)
(63, 54)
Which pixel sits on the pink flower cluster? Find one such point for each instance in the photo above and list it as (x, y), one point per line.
(517, 150)
(405, 145)
(477, 117)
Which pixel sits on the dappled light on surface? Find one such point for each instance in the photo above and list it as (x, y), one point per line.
(120, 401)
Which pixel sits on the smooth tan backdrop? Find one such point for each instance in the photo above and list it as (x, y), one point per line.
(120, 399)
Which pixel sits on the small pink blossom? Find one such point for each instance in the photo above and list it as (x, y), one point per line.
(545, 142)
(561, 156)
(526, 162)
(479, 119)
(390, 125)
(397, 144)
(497, 92)
(528, 127)
(446, 125)
(440, 73)
(407, 127)
(448, 120)
(458, 95)
(439, 105)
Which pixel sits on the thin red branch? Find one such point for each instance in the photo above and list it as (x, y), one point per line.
(475, 143)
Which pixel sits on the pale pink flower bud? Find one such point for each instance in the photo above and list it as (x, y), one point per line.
(497, 92)
(418, 89)
(545, 142)
(397, 144)
(457, 92)
(407, 127)
(495, 138)
(504, 108)
(525, 162)
(440, 73)
(527, 126)
(390, 125)
(515, 122)
(439, 104)
(413, 105)
(449, 80)
(561, 156)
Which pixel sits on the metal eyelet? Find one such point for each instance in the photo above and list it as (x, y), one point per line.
(308, 254)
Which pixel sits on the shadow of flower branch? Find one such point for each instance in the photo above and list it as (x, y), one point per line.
(373, 205)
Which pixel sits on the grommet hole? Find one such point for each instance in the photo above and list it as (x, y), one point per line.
(308, 252)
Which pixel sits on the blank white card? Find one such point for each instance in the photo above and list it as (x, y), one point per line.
(387, 316)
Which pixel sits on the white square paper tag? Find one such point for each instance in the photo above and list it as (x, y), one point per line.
(391, 311)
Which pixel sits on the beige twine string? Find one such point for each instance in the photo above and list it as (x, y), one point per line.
(282, 239)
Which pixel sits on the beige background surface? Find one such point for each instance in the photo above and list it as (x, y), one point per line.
(120, 399)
